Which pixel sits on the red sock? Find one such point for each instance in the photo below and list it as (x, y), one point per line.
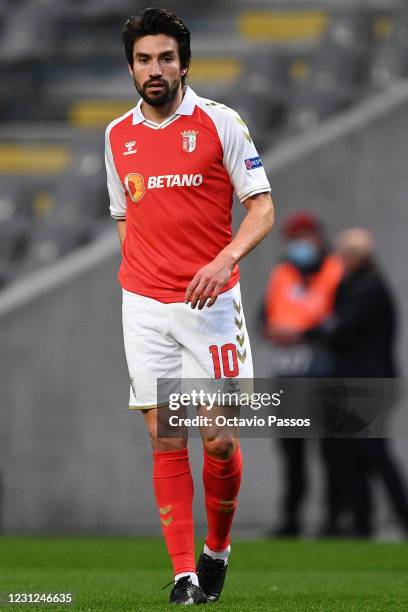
(173, 488)
(222, 479)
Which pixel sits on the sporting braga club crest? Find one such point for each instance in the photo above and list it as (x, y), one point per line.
(189, 140)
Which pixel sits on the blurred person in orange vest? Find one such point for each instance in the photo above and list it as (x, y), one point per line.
(299, 296)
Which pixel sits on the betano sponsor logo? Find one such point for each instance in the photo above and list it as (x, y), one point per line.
(174, 180)
(135, 183)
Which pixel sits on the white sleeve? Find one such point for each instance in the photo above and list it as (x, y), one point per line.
(117, 197)
(241, 159)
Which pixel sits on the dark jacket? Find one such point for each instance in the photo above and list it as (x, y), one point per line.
(363, 330)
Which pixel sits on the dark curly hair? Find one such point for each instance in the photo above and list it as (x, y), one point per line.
(157, 21)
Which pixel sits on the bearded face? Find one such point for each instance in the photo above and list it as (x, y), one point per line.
(156, 70)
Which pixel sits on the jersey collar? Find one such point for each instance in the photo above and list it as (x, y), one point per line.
(186, 107)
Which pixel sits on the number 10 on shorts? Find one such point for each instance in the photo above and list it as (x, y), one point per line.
(225, 360)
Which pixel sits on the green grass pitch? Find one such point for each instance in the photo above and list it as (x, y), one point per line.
(119, 574)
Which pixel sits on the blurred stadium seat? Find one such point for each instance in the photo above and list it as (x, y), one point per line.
(15, 215)
(63, 71)
(390, 61)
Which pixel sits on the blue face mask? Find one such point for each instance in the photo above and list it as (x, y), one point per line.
(302, 253)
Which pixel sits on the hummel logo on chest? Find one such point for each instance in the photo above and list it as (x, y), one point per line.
(130, 148)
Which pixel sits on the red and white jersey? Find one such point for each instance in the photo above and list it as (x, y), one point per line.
(173, 182)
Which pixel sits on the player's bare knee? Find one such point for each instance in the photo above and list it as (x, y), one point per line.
(163, 445)
(221, 447)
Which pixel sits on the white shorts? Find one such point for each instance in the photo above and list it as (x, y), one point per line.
(175, 341)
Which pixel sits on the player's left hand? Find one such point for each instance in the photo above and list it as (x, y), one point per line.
(209, 281)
